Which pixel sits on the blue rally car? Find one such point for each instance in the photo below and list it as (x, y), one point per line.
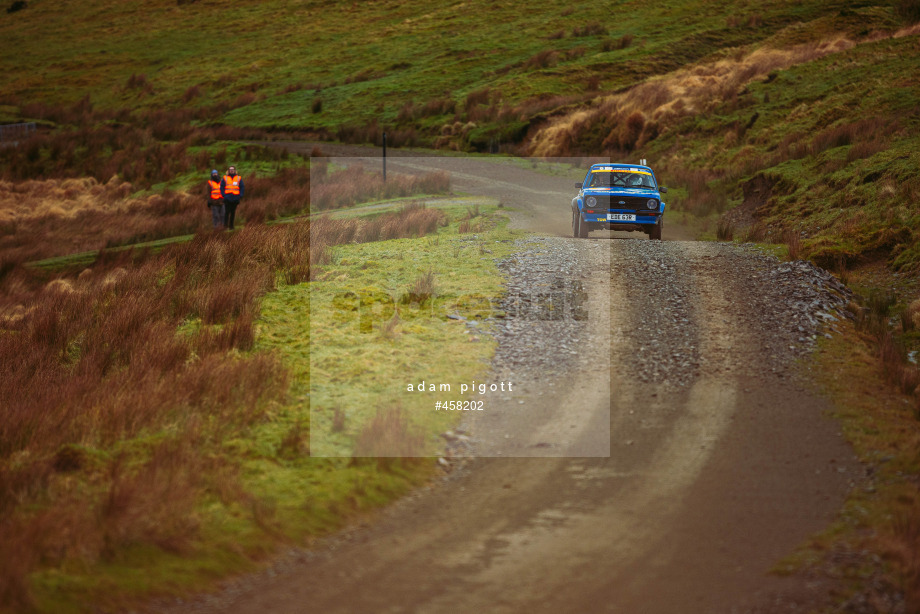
(618, 197)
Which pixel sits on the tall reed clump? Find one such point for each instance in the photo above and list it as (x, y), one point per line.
(389, 434)
(118, 389)
(875, 321)
(725, 229)
(900, 539)
(284, 193)
(354, 185)
(412, 220)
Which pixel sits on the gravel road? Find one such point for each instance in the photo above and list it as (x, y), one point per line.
(680, 451)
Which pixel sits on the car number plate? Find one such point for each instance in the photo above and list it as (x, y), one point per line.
(621, 217)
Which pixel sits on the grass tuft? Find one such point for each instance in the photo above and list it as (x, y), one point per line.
(725, 230)
(389, 434)
(793, 240)
(755, 233)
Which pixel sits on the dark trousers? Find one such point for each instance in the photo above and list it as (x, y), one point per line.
(229, 214)
(217, 213)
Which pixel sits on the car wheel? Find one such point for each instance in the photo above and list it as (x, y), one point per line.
(582, 227)
(655, 234)
(575, 217)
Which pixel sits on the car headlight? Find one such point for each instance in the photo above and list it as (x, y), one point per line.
(652, 204)
(591, 202)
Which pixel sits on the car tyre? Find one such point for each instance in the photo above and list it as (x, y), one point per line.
(655, 233)
(579, 226)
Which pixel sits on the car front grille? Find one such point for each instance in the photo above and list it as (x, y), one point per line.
(614, 202)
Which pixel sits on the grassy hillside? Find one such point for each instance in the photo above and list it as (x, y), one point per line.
(367, 60)
(827, 148)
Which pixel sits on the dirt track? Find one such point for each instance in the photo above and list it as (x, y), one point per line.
(716, 470)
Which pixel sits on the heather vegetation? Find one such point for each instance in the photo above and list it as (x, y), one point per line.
(143, 396)
(120, 387)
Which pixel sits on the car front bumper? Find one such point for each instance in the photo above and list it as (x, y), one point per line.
(600, 219)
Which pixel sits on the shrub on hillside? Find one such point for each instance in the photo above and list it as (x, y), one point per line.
(667, 100)
(543, 59)
(137, 81)
(191, 93)
(591, 29)
(477, 97)
(620, 43)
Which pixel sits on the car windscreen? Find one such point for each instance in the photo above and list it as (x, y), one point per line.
(640, 180)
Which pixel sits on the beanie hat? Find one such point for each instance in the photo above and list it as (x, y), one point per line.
(214, 172)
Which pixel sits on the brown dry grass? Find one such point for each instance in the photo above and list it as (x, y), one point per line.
(543, 59)
(412, 220)
(725, 229)
(91, 362)
(755, 233)
(389, 434)
(411, 111)
(899, 540)
(793, 241)
(423, 289)
(373, 133)
(144, 149)
(902, 546)
(912, 316)
(284, 193)
(591, 29)
(620, 43)
(662, 101)
(353, 185)
(867, 136)
(881, 549)
(39, 219)
(874, 321)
